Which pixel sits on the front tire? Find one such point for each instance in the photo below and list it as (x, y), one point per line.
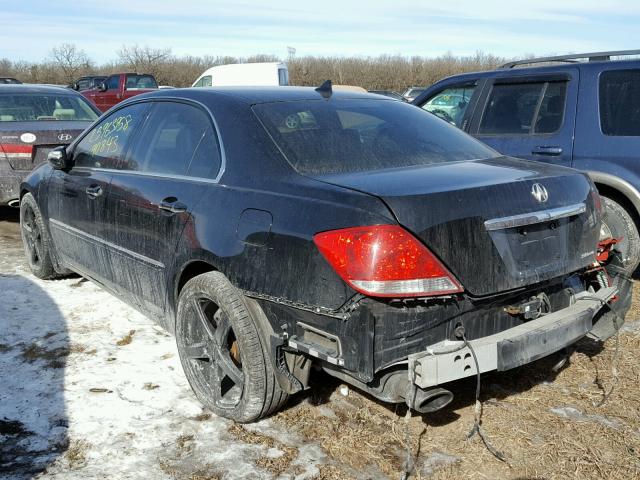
(35, 240)
(618, 223)
(224, 351)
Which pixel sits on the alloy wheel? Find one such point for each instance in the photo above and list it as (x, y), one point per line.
(210, 345)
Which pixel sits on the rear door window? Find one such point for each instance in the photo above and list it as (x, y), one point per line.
(113, 82)
(107, 142)
(524, 109)
(178, 139)
(619, 97)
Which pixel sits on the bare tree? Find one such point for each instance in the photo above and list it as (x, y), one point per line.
(395, 72)
(145, 59)
(70, 60)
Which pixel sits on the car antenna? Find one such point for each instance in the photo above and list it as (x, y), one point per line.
(325, 89)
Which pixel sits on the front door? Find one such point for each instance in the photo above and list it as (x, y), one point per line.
(529, 116)
(105, 100)
(175, 157)
(80, 217)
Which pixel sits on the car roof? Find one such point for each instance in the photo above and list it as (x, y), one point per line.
(35, 89)
(548, 68)
(255, 95)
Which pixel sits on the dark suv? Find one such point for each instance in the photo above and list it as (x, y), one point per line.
(561, 110)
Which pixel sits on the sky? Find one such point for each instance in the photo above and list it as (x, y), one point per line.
(29, 29)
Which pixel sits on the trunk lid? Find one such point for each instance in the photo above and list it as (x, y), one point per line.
(483, 221)
(24, 145)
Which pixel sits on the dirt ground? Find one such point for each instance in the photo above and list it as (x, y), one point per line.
(97, 392)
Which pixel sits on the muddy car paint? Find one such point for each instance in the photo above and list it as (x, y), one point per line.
(32, 140)
(258, 230)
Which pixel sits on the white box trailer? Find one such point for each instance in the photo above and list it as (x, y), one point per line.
(245, 74)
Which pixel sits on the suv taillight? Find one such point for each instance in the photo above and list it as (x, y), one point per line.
(385, 261)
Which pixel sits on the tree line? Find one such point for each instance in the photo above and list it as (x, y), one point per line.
(67, 62)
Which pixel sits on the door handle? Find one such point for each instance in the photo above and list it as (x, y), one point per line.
(94, 191)
(172, 205)
(551, 151)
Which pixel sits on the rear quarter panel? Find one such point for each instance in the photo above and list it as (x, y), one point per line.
(280, 260)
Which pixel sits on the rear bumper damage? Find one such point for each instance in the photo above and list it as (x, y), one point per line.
(449, 360)
(360, 349)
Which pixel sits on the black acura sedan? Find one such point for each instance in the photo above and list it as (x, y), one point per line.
(34, 119)
(272, 229)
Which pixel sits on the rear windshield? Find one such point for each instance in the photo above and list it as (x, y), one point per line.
(340, 136)
(30, 107)
(140, 81)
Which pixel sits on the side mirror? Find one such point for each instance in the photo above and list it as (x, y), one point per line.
(59, 159)
(75, 86)
(102, 87)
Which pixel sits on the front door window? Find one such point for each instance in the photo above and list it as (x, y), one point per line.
(450, 104)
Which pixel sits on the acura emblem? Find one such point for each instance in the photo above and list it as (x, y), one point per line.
(539, 193)
(64, 137)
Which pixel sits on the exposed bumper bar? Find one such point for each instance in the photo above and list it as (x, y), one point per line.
(451, 360)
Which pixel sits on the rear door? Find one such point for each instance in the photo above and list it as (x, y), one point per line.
(529, 116)
(155, 188)
(80, 220)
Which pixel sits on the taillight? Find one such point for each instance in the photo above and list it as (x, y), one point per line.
(385, 261)
(12, 150)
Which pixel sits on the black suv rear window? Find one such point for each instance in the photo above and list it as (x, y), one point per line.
(620, 102)
(340, 136)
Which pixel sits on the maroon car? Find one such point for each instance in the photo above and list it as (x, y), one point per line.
(119, 87)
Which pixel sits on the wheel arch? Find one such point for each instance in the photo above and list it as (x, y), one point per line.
(619, 190)
(190, 270)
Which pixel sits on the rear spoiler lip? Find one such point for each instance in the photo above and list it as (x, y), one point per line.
(535, 217)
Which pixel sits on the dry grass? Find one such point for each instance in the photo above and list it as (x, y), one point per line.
(126, 340)
(201, 417)
(275, 465)
(548, 425)
(54, 358)
(207, 472)
(76, 454)
(185, 443)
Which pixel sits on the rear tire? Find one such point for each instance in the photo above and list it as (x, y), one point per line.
(35, 239)
(224, 350)
(618, 223)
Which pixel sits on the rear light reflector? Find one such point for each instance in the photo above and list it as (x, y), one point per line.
(597, 202)
(385, 261)
(16, 151)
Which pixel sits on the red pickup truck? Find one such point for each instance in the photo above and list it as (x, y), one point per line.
(118, 87)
